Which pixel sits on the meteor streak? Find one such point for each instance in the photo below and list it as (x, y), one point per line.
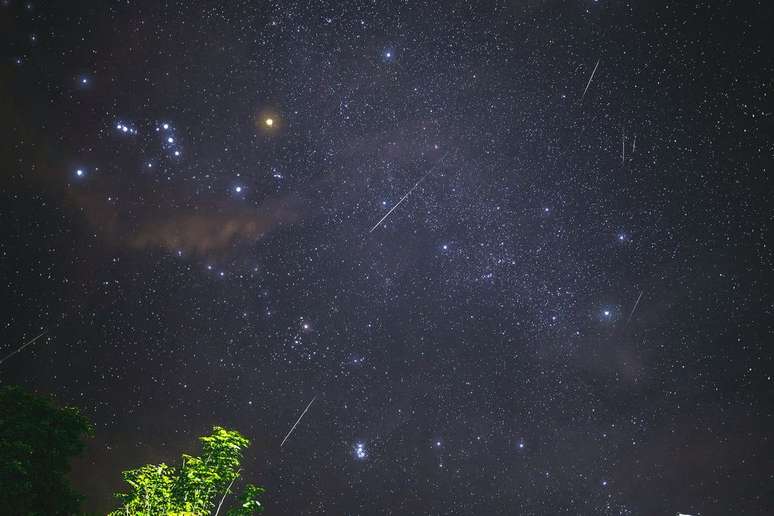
(297, 421)
(590, 79)
(432, 169)
(636, 303)
(20, 348)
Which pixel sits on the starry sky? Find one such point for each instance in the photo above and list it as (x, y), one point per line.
(514, 253)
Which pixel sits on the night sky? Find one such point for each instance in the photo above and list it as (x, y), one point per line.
(567, 307)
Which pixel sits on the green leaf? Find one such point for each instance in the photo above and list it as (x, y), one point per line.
(197, 486)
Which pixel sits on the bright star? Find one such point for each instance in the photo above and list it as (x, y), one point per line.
(125, 128)
(238, 189)
(79, 172)
(269, 122)
(171, 140)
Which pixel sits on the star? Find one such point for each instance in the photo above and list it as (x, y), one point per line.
(269, 122)
(79, 172)
(608, 314)
(125, 129)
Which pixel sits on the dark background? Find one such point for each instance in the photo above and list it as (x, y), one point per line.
(482, 344)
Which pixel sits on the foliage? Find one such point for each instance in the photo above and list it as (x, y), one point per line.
(37, 441)
(249, 503)
(198, 487)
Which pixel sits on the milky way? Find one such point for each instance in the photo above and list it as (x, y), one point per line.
(568, 310)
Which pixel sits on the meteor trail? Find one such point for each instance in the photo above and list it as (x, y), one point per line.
(297, 421)
(623, 147)
(636, 303)
(32, 341)
(590, 79)
(432, 169)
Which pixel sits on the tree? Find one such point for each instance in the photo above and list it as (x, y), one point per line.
(199, 487)
(37, 441)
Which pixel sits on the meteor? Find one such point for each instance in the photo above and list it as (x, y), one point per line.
(432, 169)
(297, 421)
(29, 342)
(590, 79)
(636, 303)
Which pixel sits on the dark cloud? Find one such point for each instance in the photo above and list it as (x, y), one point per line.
(205, 233)
(211, 227)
